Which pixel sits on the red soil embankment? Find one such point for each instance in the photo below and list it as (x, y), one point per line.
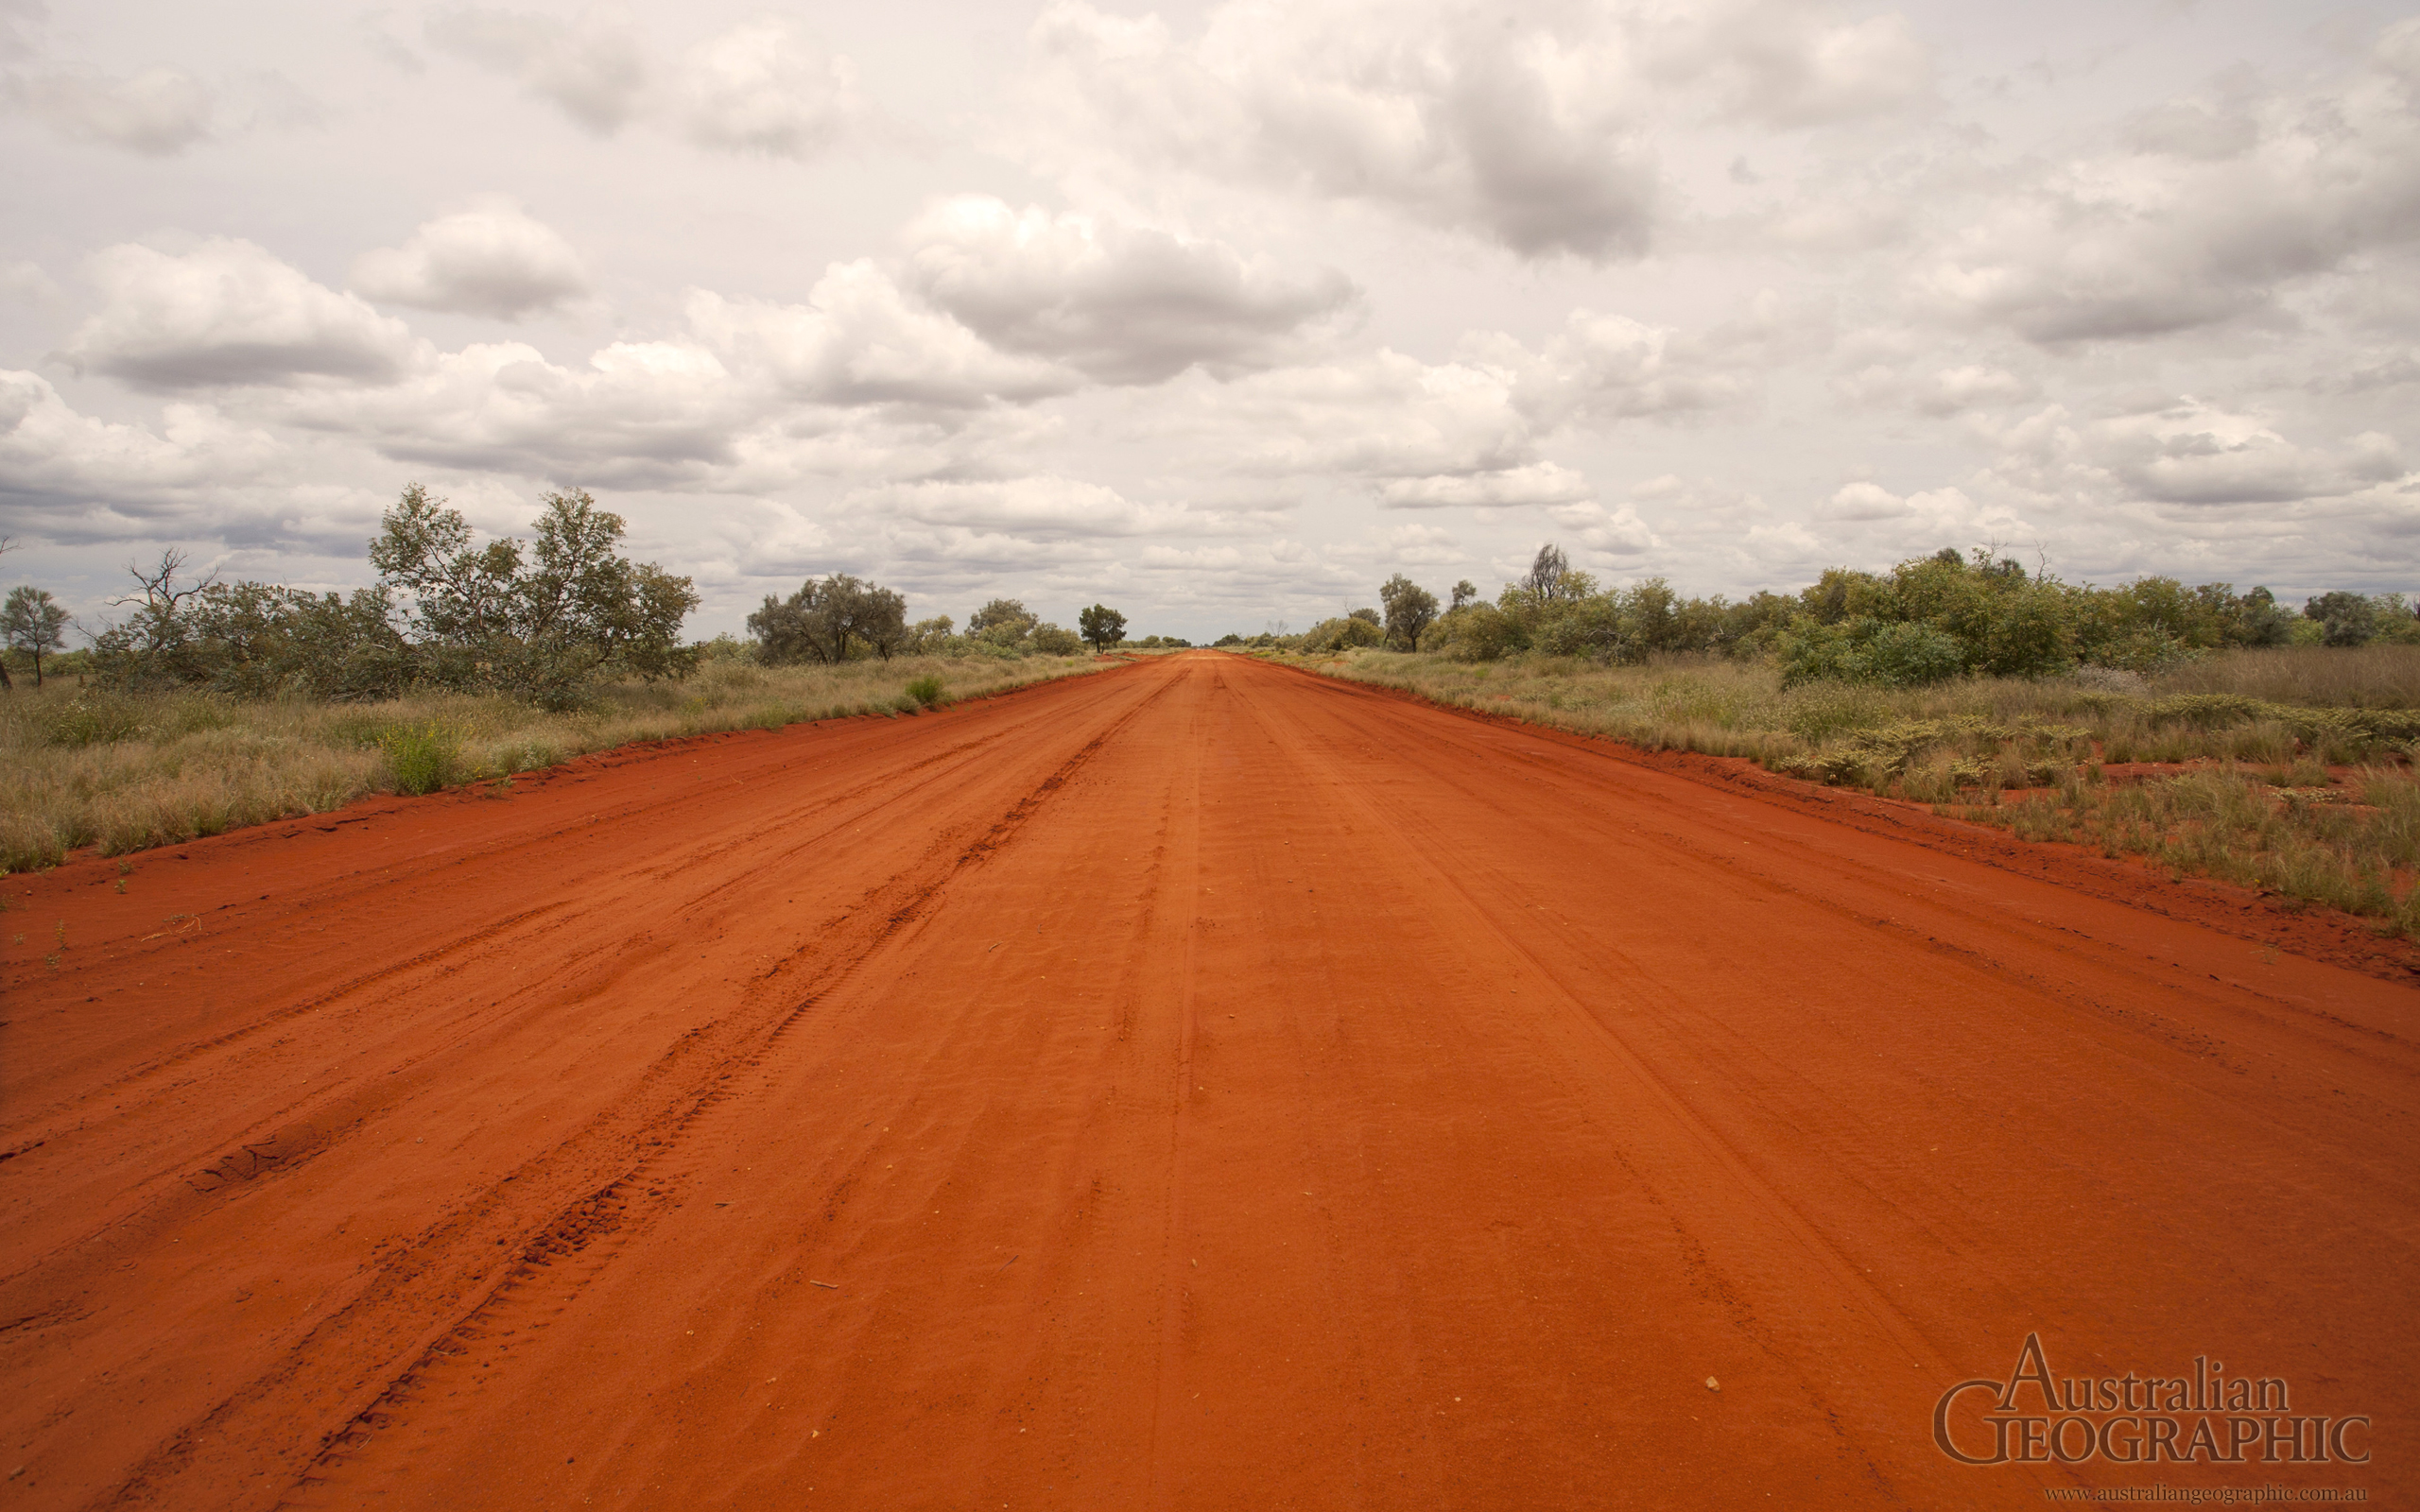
(1192, 1085)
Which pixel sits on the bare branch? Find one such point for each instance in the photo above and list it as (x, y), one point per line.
(160, 589)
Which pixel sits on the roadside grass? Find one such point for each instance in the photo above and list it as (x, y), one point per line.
(2240, 743)
(2352, 847)
(82, 766)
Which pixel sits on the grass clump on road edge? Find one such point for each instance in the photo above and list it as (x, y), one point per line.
(2353, 848)
(2255, 731)
(85, 766)
(423, 758)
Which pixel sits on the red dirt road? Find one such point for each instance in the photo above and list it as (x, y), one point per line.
(1194, 1086)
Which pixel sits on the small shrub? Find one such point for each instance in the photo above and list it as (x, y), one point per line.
(423, 758)
(1825, 710)
(1912, 656)
(926, 690)
(2147, 653)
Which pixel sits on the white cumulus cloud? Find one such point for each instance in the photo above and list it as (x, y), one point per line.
(1028, 508)
(74, 476)
(1119, 303)
(228, 313)
(654, 414)
(2146, 239)
(765, 87)
(493, 259)
(1546, 483)
(858, 340)
(2196, 453)
(1508, 127)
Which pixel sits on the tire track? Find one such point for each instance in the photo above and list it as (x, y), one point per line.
(884, 915)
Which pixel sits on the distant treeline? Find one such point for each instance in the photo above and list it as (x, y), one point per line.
(1927, 619)
(544, 622)
(838, 618)
(547, 621)
(539, 622)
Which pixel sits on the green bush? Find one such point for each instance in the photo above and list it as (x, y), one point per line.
(1054, 640)
(2149, 652)
(423, 758)
(926, 690)
(1901, 655)
(1344, 633)
(1911, 656)
(1474, 632)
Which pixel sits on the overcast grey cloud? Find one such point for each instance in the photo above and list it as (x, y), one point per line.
(157, 111)
(593, 65)
(1225, 310)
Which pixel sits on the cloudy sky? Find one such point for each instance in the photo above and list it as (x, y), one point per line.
(1219, 313)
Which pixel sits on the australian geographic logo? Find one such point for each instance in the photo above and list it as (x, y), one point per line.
(2206, 1418)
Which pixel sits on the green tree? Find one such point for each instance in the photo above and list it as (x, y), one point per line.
(929, 637)
(882, 621)
(1752, 625)
(6, 545)
(2345, 619)
(1842, 593)
(1102, 627)
(1002, 621)
(1411, 609)
(33, 622)
(825, 618)
(1477, 631)
(1053, 639)
(2255, 619)
(538, 622)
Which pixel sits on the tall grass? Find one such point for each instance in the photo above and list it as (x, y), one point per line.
(80, 766)
(2372, 676)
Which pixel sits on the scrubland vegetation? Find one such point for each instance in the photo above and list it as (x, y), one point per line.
(206, 706)
(2214, 732)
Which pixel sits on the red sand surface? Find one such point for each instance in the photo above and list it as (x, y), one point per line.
(1199, 1085)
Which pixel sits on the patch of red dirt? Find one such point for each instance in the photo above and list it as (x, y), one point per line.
(1198, 1084)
